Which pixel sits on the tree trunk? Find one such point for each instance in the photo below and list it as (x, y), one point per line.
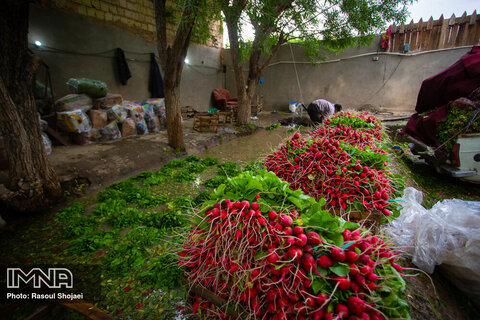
(172, 59)
(174, 120)
(243, 111)
(32, 182)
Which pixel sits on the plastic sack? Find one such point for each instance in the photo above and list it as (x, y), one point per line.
(133, 108)
(108, 101)
(47, 143)
(141, 126)
(153, 124)
(129, 128)
(43, 123)
(94, 88)
(72, 102)
(117, 113)
(75, 121)
(110, 132)
(447, 234)
(98, 118)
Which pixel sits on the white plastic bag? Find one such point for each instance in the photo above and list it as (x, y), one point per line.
(447, 235)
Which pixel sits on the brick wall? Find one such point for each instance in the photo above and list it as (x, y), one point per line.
(136, 16)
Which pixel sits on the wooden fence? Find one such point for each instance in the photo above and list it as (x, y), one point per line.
(436, 34)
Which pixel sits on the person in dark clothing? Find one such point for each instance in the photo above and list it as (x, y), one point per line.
(320, 110)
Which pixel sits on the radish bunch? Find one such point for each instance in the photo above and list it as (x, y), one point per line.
(345, 166)
(277, 255)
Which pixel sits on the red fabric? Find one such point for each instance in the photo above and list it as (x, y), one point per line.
(424, 127)
(385, 40)
(458, 80)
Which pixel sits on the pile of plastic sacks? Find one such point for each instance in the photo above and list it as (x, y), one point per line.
(89, 114)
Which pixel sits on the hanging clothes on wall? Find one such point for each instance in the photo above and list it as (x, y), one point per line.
(122, 66)
(155, 81)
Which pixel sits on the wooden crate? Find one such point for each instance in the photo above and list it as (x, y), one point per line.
(225, 117)
(205, 122)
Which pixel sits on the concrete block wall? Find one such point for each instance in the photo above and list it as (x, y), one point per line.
(75, 46)
(136, 16)
(354, 78)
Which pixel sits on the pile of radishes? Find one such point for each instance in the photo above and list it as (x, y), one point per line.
(329, 164)
(273, 260)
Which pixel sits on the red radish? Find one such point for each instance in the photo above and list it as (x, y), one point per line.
(301, 240)
(347, 234)
(297, 230)
(285, 220)
(365, 270)
(341, 310)
(290, 241)
(372, 277)
(343, 283)
(325, 261)
(288, 231)
(294, 252)
(310, 302)
(308, 262)
(327, 316)
(273, 257)
(238, 234)
(321, 298)
(244, 205)
(396, 267)
(313, 238)
(338, 254)
(356, 305)
(272, 215)
(351, 256)
(255, 206)
(308, 248)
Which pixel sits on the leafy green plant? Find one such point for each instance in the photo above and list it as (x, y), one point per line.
(125, 257)
(209, 161)
(215, 181)
(184, 176)
(254, 166)
(163, 273)
(196, 167)
(175, 164)
(125, 218)
(80, 226)
(89, 242)
(181, 203)
(74, 211)
(200, 198)
(142, 176)
(193, 158)
(152, 201)
(228, 169)
(273, 126)
(457, 119)
(109, 206)
(165, 221)
(143, 236)
(155, 179)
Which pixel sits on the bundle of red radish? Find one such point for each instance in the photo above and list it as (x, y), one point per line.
(275, 254)
(346, 166)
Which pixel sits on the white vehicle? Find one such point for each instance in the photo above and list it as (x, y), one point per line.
(465, 158)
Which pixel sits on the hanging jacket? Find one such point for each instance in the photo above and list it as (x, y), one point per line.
(122, 66)
(155, 82)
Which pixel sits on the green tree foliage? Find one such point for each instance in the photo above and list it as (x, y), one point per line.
(319, 26)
